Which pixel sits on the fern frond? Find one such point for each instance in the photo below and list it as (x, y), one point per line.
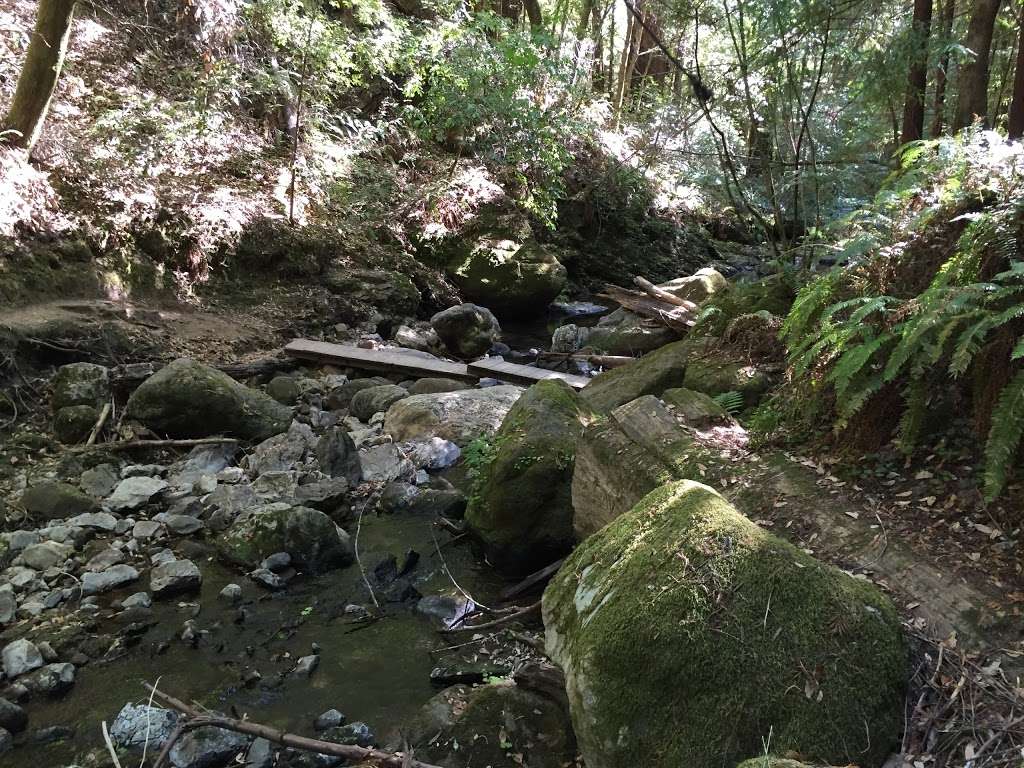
(915, 398)
(853, 361)
(730, 401)
(1004, 435)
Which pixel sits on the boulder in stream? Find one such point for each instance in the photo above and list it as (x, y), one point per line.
(686, 632)
(188, 399)
(467, 330)
(521, 509)
(460, 416)
(54, 501)
(651, 374)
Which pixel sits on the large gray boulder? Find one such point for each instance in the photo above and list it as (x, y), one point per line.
(460, 416)
(467, 330)
(310, 537)
(687, 633)
(521, 508)
(188, 399)
(79, 384)
(698, 287)
(651, 374)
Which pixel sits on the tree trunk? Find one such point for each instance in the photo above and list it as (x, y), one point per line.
(38, 79)
(533, 13)
(917, 78)
(1015, 127)
(972, 99)
(942, 73)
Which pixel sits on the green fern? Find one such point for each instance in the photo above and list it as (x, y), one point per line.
(730, 401)
(1004, 436)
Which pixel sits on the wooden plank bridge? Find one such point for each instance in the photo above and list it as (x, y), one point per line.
(420, 364)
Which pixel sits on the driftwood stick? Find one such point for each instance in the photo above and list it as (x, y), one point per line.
(503, 621)
(605, 361)
(128, 445)
(535, 578)
(104, 414)
(200, 720)
(654, 291)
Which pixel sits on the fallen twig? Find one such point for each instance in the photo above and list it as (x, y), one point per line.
(197, 719)
(128, 445)
(104, 414)
(503, 621)
(535, 578)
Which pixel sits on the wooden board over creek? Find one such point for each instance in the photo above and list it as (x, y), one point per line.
(421, 364)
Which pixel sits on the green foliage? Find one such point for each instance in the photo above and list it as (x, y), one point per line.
(857, 340)
(730, 401)
(484, 88)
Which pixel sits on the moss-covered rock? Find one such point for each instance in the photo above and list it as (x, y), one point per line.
(189, 399)
(770, 761)
(55, 501)
(499, 725)
(715, 370)
(73, 423)
(312, 539)
(652, 374)
(696, 409)
(687, 633)
(509, 276)
(385, 289)
(340, 397)
(373, 400)
(626, 333)
(79, 384)
(522, 505)
(466, 330)
(284, 389)
(773, 294)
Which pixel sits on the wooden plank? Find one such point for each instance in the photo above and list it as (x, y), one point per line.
(497, 368)
(379, 360)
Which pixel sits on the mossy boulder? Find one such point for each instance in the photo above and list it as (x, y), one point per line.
(188, 399)
(79, 384)
(715, 371)
(466, 330)
(385, 289)
(687, 633)
(312, 539)
(56, 501)
(774, 295)
(696, 409)
(512, 277)
(432, 386)
(626, 333)
(521, 509)
(651, 374)
(499, 725)
(373, 400)
(73, 423)
(340, 397)
(284, 389)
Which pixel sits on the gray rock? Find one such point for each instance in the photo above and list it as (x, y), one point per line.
(99, 481)
(232, 499)
(104, 559)
(434, 454)
(373, 400)
(306, 665)
(207, 748)
(97, 521)
(357, 734)
(137, 724)
(48, 554)
(339, 398)
(134, 492)
(146, 529)
(284, 389)
(6, 741)
(54, 501)
(327, 495)
(182, 525)
(104, 581)
(232, 593)
(267, 579)
(315, 543)
(338, 456)
(260, 754)
(204, 460)
(277, 562)
(332, 718)
(80, 384)
(569, 338)
(8, 604)
(460, 417)
(51, 680)
(12, 717)
(435, 385)
(278, 485)
(16, 541)
(385, 463)
(74, 423)
(174, 578)
(282, 452)
(21, 656)
(138, 600)
(188, 399)
(467, 330)
(444, 608)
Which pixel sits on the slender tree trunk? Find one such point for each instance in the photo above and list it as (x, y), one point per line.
(1015, 126)
(533, 13)
(39, 74)
(942, 73)
(972, 99)
(917, 77)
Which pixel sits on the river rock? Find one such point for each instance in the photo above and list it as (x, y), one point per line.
(136, 724)
(181, 525)
(696, 409)
(6, 741)
(283, 452)
(174, 578)
(569, 338)
(138, 600)
(371, 400)
(499, 725)
(652, 374)
(385, 463)
(79, 384)
(338, 456)
(8, 605)
(460, 417)
(434, 454)
(332, 718)
(467, 330)
(207, 748)
(340, 397)
(421, 339)
(620, 459)
(19, 657)
(187, 399)
(698, 287)
(12, 717)
(47, 554)
(134, 492)
(521, 508)
(74, 423)
(625, 333)
(314, 542)
(94, 583)
(737, 628)
(51, 679)
(54, 501)
(430, 386)
(284, 389)
(100, 481)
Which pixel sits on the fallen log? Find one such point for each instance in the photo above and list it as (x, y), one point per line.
(604, 361)
(674, 316)
(535, 578)
(662, 295)
(197, 719)
(503, 621)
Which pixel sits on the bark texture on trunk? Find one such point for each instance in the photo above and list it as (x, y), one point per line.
(917, 78)
(1015, 126)
(972, 99)
(38, 79)
(942, 73)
